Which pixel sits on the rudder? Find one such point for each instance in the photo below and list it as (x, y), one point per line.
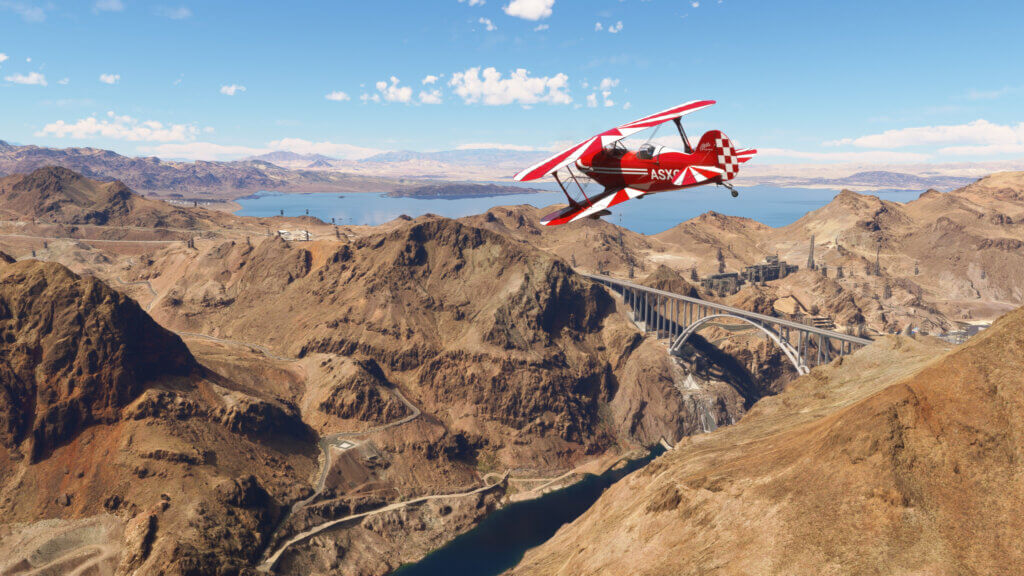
(719, 151)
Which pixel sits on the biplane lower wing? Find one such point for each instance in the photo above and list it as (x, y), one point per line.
(596, 207)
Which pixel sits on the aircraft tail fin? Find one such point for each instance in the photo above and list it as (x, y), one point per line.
(721, 152)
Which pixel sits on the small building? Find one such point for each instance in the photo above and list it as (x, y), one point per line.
(725, 283)
(771, 269)
(294, 235)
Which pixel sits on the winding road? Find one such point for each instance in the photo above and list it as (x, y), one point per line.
(272, 560)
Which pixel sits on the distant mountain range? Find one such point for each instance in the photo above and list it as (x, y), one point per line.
(277, 171)
(875, 180)
(408, 173)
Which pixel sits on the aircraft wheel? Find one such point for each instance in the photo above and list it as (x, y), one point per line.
(735, 193)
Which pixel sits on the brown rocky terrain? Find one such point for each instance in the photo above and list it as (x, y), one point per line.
(429, 356)
(901, 459)
(121, 451)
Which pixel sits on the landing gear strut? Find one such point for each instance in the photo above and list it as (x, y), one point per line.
(732, 190)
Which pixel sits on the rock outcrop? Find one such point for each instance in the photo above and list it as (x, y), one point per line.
(73, 352)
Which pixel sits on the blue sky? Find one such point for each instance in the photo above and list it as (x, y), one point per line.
(803, 81)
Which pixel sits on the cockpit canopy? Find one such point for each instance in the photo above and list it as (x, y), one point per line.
(646, 152)
(616, 149)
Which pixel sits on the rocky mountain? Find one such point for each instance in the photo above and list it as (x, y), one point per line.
(449, 311)
(284, 158)
(77, 353)
(57, 195)
(899, 459)
(121, 453)
(872, 180)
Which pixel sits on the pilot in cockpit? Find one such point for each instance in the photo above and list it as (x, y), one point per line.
(646, 152)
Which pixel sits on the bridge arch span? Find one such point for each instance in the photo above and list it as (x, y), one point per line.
(785, 346)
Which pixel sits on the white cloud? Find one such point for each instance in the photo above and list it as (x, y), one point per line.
(615, 28)
(64, 81)
(866, 156)
(431, 97)
(120, 128)
(337, 96)
(977, 133)
(495, 146)
(540, 27)
(472, 2)
(627, 106)
(609, 83)
(598, 27)
(110, 78)
(29, 12)
(592, 100)
(231, 89)
(370, 97)
(529, 9)
(489, 87)
(488, 25)
(108, 6)
(30, 79)
(335, 150)
(695, 4)
(430, 79)
(2, 57)
(393, 92)
(606, 99)
(174, 13)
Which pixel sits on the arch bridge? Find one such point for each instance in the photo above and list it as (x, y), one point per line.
(677, 317)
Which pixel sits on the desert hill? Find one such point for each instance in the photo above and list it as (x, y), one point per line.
(869, 465)
(120, 450)
(59, 196)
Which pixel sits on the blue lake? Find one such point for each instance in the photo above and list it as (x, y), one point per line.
(768, 204)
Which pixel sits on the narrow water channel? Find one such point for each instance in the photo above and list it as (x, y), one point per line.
(501, 540)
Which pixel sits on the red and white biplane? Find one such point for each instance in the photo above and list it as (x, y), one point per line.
(627, 174)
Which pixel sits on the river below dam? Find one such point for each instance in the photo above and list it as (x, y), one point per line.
(769, 205)
(500, 541)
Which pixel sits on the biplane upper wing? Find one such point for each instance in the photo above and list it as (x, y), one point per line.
(593, 145)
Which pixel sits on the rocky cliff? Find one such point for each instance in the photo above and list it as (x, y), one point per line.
(900, 459)
(74, 353)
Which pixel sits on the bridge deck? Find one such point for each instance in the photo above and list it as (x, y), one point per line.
(607, 280)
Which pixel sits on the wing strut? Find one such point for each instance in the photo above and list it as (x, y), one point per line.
(572, 201)
(578, 184)
(564, 191)
(682, 133)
